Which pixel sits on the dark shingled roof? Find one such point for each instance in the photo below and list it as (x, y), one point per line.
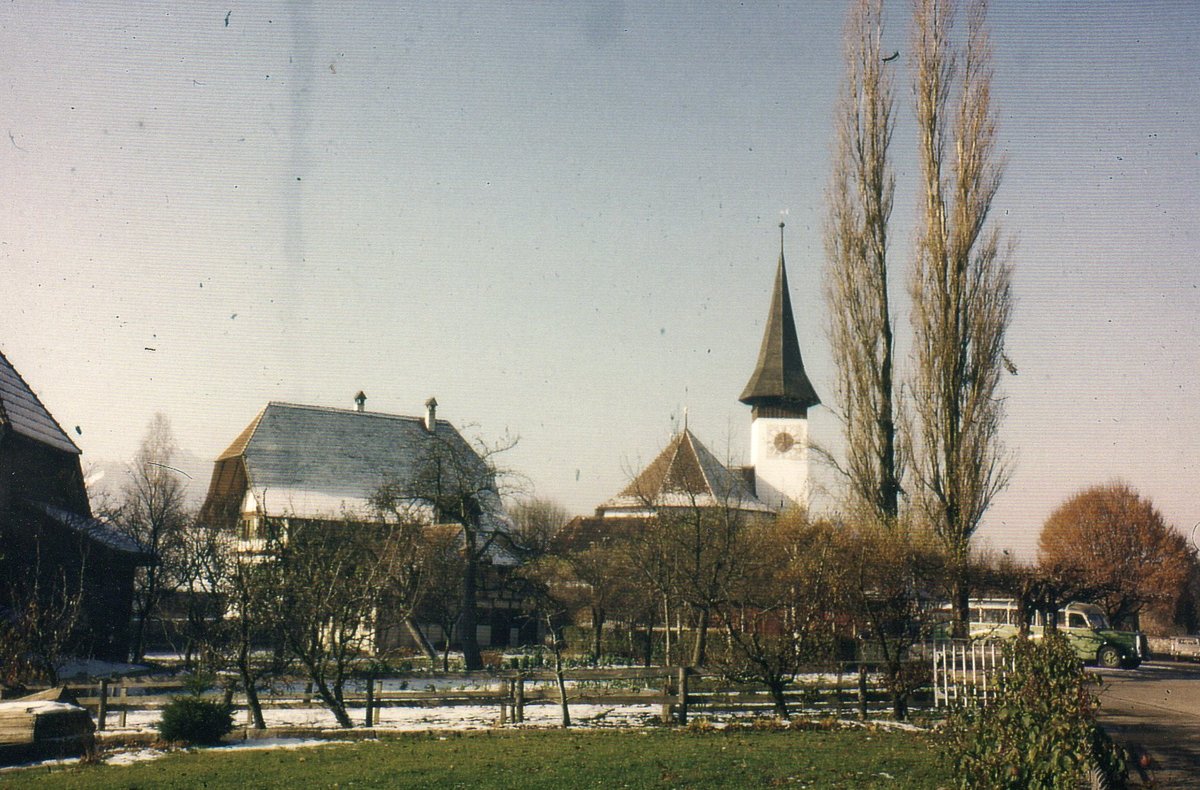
(320, 456)
(686, 473)
(93, 528)
(23, 412)
(779, 378)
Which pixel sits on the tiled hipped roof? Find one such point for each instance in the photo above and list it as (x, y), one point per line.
(686, 474)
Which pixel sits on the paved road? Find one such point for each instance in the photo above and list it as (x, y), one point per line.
(1155, 710)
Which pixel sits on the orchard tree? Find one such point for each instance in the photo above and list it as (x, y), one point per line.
(1116, 543)
(779, 604)
(458, 485)
(961, 287)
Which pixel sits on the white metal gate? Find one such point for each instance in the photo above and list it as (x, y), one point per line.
(966, 672)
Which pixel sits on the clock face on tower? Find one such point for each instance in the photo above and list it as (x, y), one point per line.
(783, 443)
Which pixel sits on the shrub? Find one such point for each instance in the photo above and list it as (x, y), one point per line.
(194, 720)
(1041, 729)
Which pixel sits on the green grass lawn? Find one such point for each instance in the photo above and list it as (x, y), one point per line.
(850, 758)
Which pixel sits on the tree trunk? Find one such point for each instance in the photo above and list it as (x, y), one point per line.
(960, 600)
(776, 687)
(334, 702)
(666, 631)
(899, 705)
(414, 630)
(558, 674)
(700, 647)
(468, 636)
(247, 676)
(597, 634)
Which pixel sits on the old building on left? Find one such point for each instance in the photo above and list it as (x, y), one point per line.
(60, 568)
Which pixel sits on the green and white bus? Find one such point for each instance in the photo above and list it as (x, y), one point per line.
(1084, 624)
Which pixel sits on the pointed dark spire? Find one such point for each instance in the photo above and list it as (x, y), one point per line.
(779, 386)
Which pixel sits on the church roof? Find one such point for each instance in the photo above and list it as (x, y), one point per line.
(23, 412)
(779, 378)
(686, 474)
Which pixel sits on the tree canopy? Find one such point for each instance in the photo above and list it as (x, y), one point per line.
(1114, 542)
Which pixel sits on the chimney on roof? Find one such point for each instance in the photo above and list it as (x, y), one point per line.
(360, 400)
(430, 414)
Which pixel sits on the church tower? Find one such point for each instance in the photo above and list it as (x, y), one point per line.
(780, 394)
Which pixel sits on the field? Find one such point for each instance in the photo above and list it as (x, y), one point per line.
(843, 758)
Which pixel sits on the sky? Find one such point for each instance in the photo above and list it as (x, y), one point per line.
(561, 221)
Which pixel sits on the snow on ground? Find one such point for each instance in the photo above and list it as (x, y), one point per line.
(81, 669)
(460, 717)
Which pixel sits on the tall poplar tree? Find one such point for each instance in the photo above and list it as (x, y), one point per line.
(857, 275)
(961, 286)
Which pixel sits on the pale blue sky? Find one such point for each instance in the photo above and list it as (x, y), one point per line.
(560, 220)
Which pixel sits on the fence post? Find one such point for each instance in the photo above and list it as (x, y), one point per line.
(682, 705)
(519, 702)
(102, 710)
(124, 701)
(667, 714)
(505, 691)
(370, 718)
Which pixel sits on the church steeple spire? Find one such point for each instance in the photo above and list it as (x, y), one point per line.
(779, 386)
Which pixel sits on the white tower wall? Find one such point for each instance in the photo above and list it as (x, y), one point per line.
(779, 453)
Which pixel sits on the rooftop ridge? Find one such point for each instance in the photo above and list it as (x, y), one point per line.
(339, 410)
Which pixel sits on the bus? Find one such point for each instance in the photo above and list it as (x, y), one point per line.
(1084, 624)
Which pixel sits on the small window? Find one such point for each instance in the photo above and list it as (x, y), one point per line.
(1076, 620)
(248, 528)
(995, 616)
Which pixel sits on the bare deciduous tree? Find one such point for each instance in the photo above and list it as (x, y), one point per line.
(961, 287)
(153, 511)
(329, 582)
(779, 607)
(460, 484)
(857, 276)
(42, 616)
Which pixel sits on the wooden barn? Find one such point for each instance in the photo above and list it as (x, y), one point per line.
(50, 545)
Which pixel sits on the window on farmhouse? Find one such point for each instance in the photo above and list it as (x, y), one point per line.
(248, 528)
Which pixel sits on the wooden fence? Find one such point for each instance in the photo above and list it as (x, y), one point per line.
(678, 692)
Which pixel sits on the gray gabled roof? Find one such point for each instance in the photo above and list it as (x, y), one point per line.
(779, 378)
(23, 412)
(314, 460)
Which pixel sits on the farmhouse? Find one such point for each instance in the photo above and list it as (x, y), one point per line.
(53, 554)
(314, 463)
